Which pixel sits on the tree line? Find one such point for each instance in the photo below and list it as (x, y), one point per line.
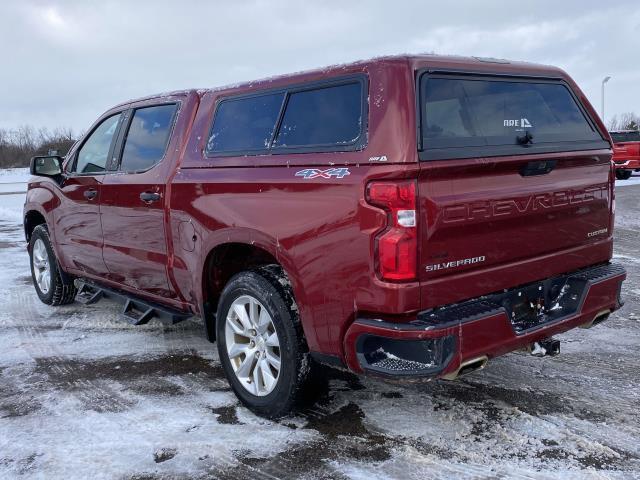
(19, 145)
(626, 121)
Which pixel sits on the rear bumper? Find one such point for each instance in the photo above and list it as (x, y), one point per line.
(439, 342)
(629, 164)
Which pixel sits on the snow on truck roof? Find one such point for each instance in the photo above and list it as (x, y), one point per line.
(416, 60)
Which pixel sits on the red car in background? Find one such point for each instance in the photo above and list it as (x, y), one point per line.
(626, 152)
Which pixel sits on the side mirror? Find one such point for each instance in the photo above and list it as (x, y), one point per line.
(46, 166)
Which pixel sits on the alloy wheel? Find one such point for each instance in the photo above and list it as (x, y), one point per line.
(253, 346)
(41, 267)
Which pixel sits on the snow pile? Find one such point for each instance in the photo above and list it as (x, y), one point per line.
(14, 175)
(13, 186)
(11, 208)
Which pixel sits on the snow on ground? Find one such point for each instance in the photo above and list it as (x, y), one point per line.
(634, 180)
(11, 207)
(14, 175)
(14, 180)
(84, 394)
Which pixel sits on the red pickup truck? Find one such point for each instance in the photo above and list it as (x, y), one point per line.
(408, 217)
(626, 152)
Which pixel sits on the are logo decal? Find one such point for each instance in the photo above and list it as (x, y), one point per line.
(520, 122)
(310, 173)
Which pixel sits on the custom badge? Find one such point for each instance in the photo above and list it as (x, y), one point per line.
(310, 173)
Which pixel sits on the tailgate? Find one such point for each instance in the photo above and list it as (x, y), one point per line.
(626, 145)
(504, 200)
(626, 151)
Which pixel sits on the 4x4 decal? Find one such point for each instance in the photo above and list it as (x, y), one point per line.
(328, 173)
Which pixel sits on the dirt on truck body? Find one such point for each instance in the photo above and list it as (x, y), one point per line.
(409, 217)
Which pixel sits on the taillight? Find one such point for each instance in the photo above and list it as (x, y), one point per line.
(397, 246)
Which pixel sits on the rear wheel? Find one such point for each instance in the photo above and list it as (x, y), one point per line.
(260, 342)
(623, 174)
(52, 285)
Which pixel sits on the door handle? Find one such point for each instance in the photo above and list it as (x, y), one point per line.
(541, 167)
(90, 194)
(150, 197)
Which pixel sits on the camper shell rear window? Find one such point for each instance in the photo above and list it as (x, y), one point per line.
(464, 116)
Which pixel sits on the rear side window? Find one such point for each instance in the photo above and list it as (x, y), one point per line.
(327, 117)
(621, 137)
(483, 117)
(147, 137)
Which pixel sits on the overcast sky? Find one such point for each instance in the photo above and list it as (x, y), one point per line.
(65, 62)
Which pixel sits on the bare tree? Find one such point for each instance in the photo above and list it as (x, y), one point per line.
(626, 121)
(18, 146)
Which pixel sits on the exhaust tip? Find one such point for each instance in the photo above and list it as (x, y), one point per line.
(600, 317)
(467, 367)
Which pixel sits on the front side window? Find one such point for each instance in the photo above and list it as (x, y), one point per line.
(147, 138)
(483, 113)
(327, 117)
(93, 155)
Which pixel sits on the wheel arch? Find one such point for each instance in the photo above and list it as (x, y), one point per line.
(225, 259)
(32, 218)
(41, 200)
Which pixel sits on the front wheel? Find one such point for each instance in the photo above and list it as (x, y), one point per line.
(623, 174)
(260, 341)
(52, 285)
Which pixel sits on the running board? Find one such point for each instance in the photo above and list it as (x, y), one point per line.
(87, 294)
(135, 310)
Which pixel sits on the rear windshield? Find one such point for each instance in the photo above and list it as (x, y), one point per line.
(465, 117)
(621, 137)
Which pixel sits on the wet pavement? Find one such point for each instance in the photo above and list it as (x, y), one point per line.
(84, 394)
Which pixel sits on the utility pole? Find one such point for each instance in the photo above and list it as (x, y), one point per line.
(604, 80)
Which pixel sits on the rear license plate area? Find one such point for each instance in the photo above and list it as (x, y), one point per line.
(542, 302)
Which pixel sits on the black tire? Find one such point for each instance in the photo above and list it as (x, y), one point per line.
(623, 174)
(269, 285)
(61, 291)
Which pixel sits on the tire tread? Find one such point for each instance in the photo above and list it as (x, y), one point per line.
(64, 290)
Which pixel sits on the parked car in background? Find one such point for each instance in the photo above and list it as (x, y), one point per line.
(626, 152)
(409, 217)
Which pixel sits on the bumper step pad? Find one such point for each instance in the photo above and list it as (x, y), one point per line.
(530, 306)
